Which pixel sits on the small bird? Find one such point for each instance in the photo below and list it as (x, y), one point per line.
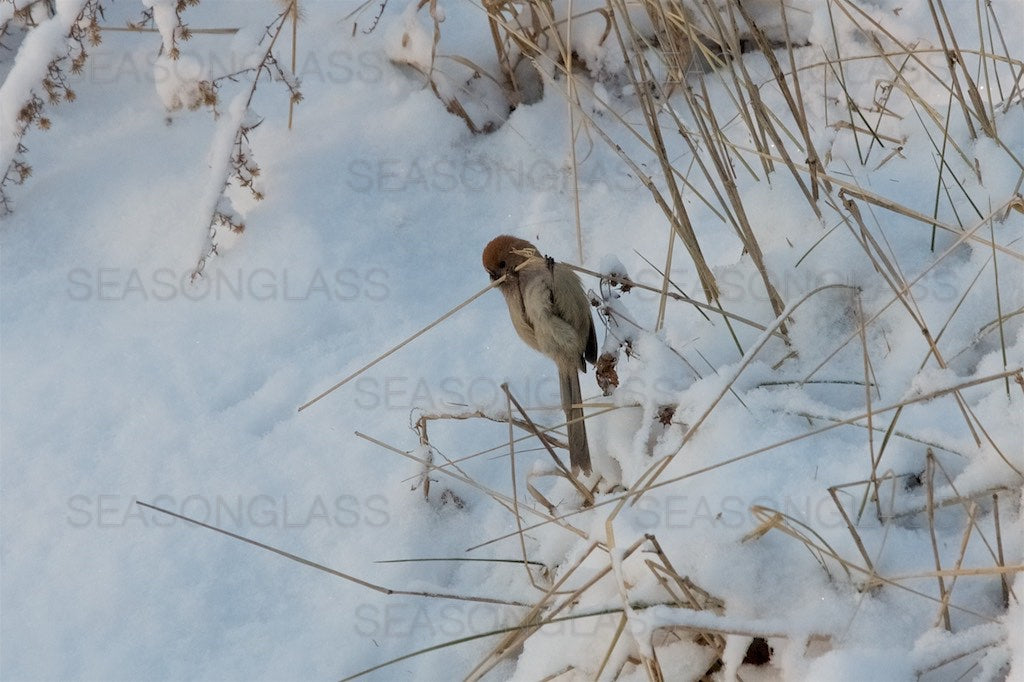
(551, 313)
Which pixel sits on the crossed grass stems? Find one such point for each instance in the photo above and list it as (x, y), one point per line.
(680, 591)
(687, 611)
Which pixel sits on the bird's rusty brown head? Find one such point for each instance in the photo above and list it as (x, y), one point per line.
(505, 253)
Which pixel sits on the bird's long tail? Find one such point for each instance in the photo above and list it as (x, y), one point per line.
(579, 451)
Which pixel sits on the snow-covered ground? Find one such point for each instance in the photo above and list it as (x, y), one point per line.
(124, 378)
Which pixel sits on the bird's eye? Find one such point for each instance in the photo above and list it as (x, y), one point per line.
(501, 264)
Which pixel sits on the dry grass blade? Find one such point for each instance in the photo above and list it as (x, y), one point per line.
(331, 571)
(611, 647)
(666, 277)
(730, 42)
(946, 500)
(958, 653)
(999, 300)
(956, 571)
(675, 296)
(875, 458)
(293, 12)
(532, 621)
(765, 118)
(633, 45)
(930, 488)
(793, 96)
(772, 519)
(775, 520)
(398, 347)
(1000, 559)
(515, 490)
(714, 140)
(849, 523)
(458, 559)
(838, 70)
(646, 482)
(858, 192)
(969, 505)
(938, 259)
(480, 635)
(546, 433)
(986, 329)
(904, 294)
(956, 58)
(620, 498)
(497, 496)
(889, 432)
(144, 29)
(588, 497)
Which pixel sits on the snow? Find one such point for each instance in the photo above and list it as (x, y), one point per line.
(41, 46)
(125, 378)
(6, 13)
(177, 81)
(166, 20)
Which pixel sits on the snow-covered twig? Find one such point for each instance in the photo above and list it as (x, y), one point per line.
(54, 47)
(166, 16)
(232, 157)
